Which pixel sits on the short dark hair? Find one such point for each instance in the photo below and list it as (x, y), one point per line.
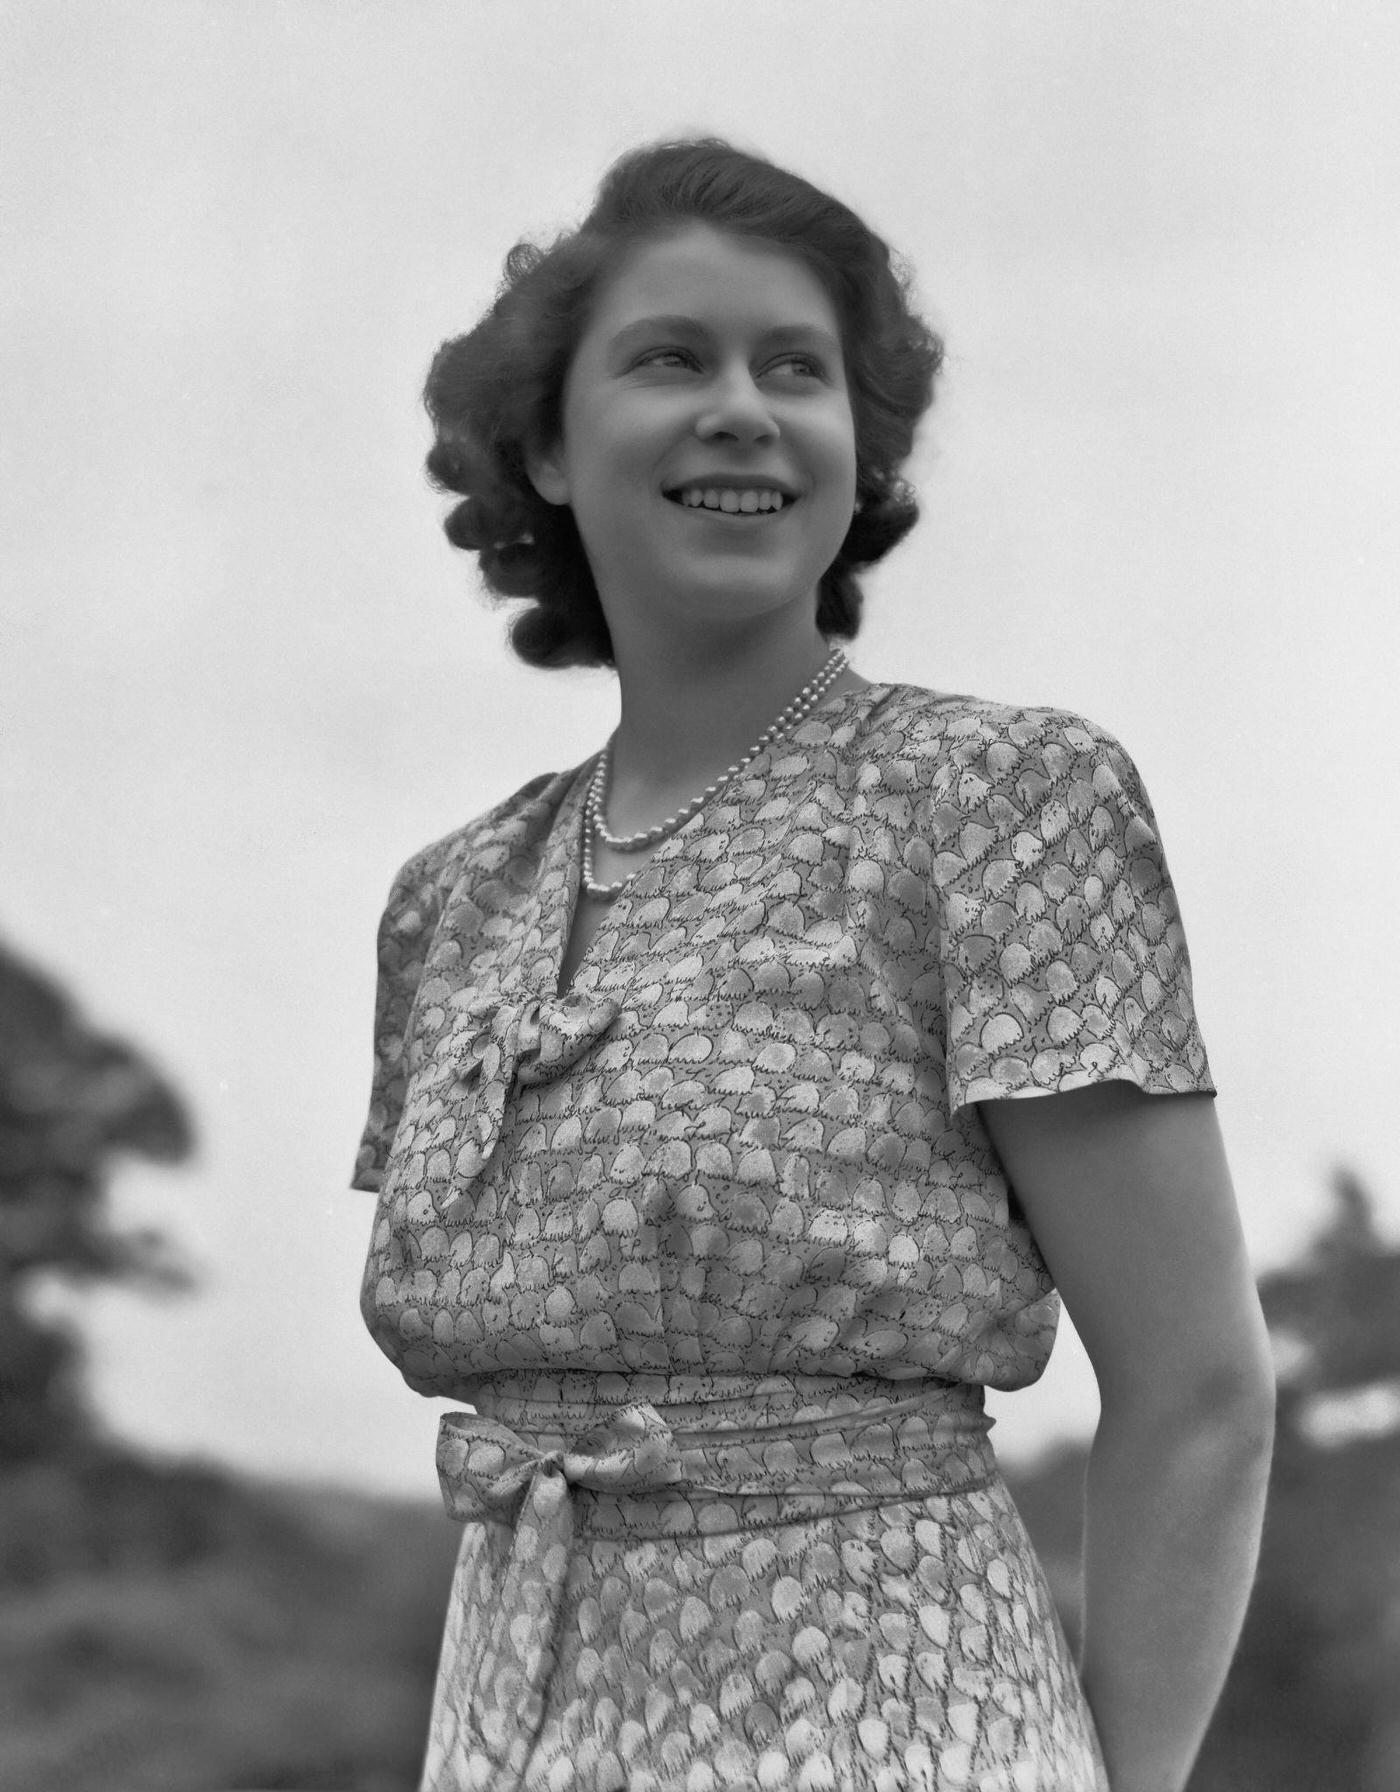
(496, 393)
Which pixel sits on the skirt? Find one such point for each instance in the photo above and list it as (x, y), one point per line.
(804, 1583)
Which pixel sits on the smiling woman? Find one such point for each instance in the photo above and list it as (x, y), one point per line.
(497, 394)
(743, 1094)
(702, 407)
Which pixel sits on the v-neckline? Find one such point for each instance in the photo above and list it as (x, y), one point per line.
(565, 852)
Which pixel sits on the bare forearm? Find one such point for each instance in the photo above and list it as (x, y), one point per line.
(1172, 1525)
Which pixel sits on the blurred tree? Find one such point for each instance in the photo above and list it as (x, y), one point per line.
(1336, 1315)
(70, 1101)
(1314, 1699)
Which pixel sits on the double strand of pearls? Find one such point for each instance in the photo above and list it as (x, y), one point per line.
(593, 823)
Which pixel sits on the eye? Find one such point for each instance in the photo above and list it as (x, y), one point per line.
(666, 357)
(799, 367)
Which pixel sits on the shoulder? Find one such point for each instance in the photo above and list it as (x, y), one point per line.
(967, 749)
(937, 725)
(484, 849)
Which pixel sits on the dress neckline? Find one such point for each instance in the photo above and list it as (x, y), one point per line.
(564, 852)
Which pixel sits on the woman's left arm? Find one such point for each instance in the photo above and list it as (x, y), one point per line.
(1130, 1200)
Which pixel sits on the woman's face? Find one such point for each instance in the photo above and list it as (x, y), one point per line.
(708, 450)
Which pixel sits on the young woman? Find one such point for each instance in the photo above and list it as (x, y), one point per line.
(744, 1096)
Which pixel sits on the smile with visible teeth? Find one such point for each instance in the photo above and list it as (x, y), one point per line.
(726, 498)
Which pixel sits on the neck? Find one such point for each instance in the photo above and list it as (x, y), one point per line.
(686, 715)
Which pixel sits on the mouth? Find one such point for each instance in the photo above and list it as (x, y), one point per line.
(734, 501)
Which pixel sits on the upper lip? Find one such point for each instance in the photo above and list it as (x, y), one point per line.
(732, 482)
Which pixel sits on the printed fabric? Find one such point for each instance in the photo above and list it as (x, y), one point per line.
(735, 1181)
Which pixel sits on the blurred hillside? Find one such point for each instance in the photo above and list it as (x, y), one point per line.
(166, 1627)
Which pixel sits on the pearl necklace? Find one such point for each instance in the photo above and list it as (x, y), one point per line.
(593, 823)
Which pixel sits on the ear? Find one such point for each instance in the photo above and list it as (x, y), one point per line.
(547, 475)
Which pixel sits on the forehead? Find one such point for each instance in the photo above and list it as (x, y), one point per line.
(718, 278)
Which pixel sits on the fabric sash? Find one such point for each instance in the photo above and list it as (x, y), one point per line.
(524, 1464)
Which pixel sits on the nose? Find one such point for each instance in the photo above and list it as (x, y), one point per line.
(737, 410)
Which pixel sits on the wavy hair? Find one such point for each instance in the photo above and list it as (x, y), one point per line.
(496, 394)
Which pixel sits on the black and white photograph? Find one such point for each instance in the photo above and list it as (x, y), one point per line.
(698, 1041)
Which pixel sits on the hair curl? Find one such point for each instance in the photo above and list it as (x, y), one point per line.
(496, 393)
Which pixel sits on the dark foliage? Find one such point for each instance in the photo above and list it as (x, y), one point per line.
(70, 1101)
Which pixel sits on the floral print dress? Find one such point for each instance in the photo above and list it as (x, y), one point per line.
(716, 1247)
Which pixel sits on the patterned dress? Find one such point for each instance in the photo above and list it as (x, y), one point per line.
(718, 1250)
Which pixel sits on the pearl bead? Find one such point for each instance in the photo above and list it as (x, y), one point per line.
(596, 797)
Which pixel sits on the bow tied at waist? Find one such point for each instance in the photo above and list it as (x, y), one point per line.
(484, 1467)
(531, 1041)
(489, 1472)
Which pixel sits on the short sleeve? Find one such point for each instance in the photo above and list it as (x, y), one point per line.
(1062, 953)
(405, 934)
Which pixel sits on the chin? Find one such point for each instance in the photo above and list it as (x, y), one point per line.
(740, 588)
(737, 603)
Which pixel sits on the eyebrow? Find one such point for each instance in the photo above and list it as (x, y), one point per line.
(779, 336)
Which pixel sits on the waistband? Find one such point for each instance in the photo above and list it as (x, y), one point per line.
(633, 1456)
(681, 1447)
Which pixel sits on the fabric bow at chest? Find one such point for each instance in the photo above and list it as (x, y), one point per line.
(488, 1472)
(499, 1044)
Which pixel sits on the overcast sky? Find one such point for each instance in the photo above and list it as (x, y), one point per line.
(243, 677)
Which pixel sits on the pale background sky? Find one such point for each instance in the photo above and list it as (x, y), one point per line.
(243, 677)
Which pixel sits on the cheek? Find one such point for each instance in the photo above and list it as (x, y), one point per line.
(840, 445)
(609, 451)
(842, 462)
